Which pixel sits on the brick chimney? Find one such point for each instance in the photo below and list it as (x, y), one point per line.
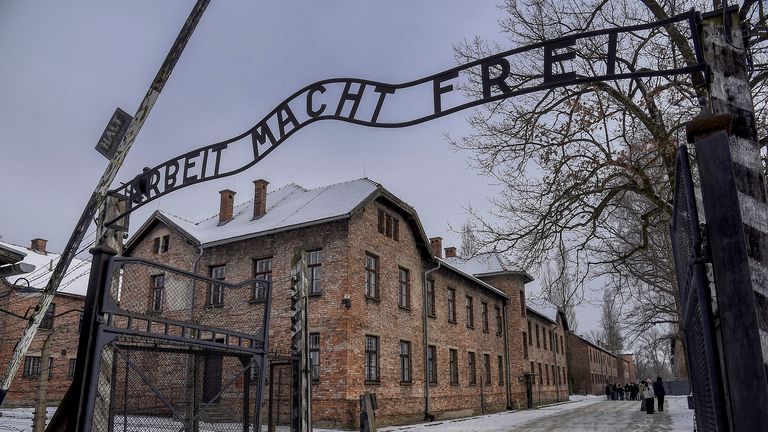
(450, 252)
(437, 246)
(38, 245)
(260, 198)
(227, 205)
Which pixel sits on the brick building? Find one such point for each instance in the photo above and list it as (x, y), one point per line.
(626, 369)
(545, 353)
(19, 294)
(365, 245)
(591, 366)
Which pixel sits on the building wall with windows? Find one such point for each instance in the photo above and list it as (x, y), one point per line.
(375, 259)
(60, 327)
(545, 356)
(591, 366)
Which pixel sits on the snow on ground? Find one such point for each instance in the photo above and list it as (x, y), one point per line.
(577, 398)
(19, 419)
(594, 412)
(503, 421)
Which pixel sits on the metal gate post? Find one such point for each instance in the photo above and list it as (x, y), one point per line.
(78, 411)
(744, 375)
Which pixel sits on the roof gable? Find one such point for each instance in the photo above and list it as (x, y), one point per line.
(75, 279)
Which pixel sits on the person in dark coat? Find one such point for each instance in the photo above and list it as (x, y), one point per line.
(658, 390)
(607, 391)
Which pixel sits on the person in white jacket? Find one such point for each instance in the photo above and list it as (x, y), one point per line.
(648, 395)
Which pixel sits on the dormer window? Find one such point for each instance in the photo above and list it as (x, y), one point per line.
(161, 244)
(389, 225)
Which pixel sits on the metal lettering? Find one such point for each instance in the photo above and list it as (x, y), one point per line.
(383, 92)
(289, 118)
(188, 163)
(154, 180)
(550, 58)
(440, 89)
(170, 177)
(498, 81)
(259, 135)
(495, 73)
(310, 111)
(217, 149)
(347, 95)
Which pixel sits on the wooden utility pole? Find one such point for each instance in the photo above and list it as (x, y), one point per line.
(41, 403)
(96, 200)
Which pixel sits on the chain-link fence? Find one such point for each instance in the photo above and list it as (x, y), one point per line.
(180, 352)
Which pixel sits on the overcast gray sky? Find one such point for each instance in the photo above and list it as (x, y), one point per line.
(66, 65)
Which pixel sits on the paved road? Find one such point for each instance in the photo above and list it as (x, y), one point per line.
(614, 416)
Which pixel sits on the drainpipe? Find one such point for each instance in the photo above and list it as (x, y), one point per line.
(506, 353)
(427, 415)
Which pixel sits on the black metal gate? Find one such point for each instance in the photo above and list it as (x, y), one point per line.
(176, 351)
(690, 254)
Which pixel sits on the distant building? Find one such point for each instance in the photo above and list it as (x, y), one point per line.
(627, 373)
(368, 246)
(591, 366)
(19, 293)
(545, 352)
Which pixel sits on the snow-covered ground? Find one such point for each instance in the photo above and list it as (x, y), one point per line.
(583, 413)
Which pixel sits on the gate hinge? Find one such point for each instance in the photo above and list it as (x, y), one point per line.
(101, 319)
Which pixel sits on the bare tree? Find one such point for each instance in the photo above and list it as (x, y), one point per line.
(610, 324)
(652, 357)
(559, 286)
(589, 168)
(469, 243)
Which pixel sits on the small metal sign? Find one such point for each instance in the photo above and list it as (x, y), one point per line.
(113, 134)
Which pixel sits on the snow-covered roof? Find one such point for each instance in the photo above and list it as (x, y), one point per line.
(291, 206)
(450, 266)
(486, 264)
(542, 308)
(75, 280)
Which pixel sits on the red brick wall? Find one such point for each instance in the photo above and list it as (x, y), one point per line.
(549, 355)
(513, 286)
(591, 366)
(343, 330)
(23, 391)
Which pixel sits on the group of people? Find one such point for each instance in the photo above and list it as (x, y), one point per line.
(645, 391)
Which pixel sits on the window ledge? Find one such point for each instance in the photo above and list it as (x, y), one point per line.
(486, 331)
(432, 315)
(316, 294)
(257, 301)
(372, 383)
(455, 384)
(405, 308)
(452, 321)
(406, 383)
(372, 299)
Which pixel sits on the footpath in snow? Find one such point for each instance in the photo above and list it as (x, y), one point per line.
(582, 413)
